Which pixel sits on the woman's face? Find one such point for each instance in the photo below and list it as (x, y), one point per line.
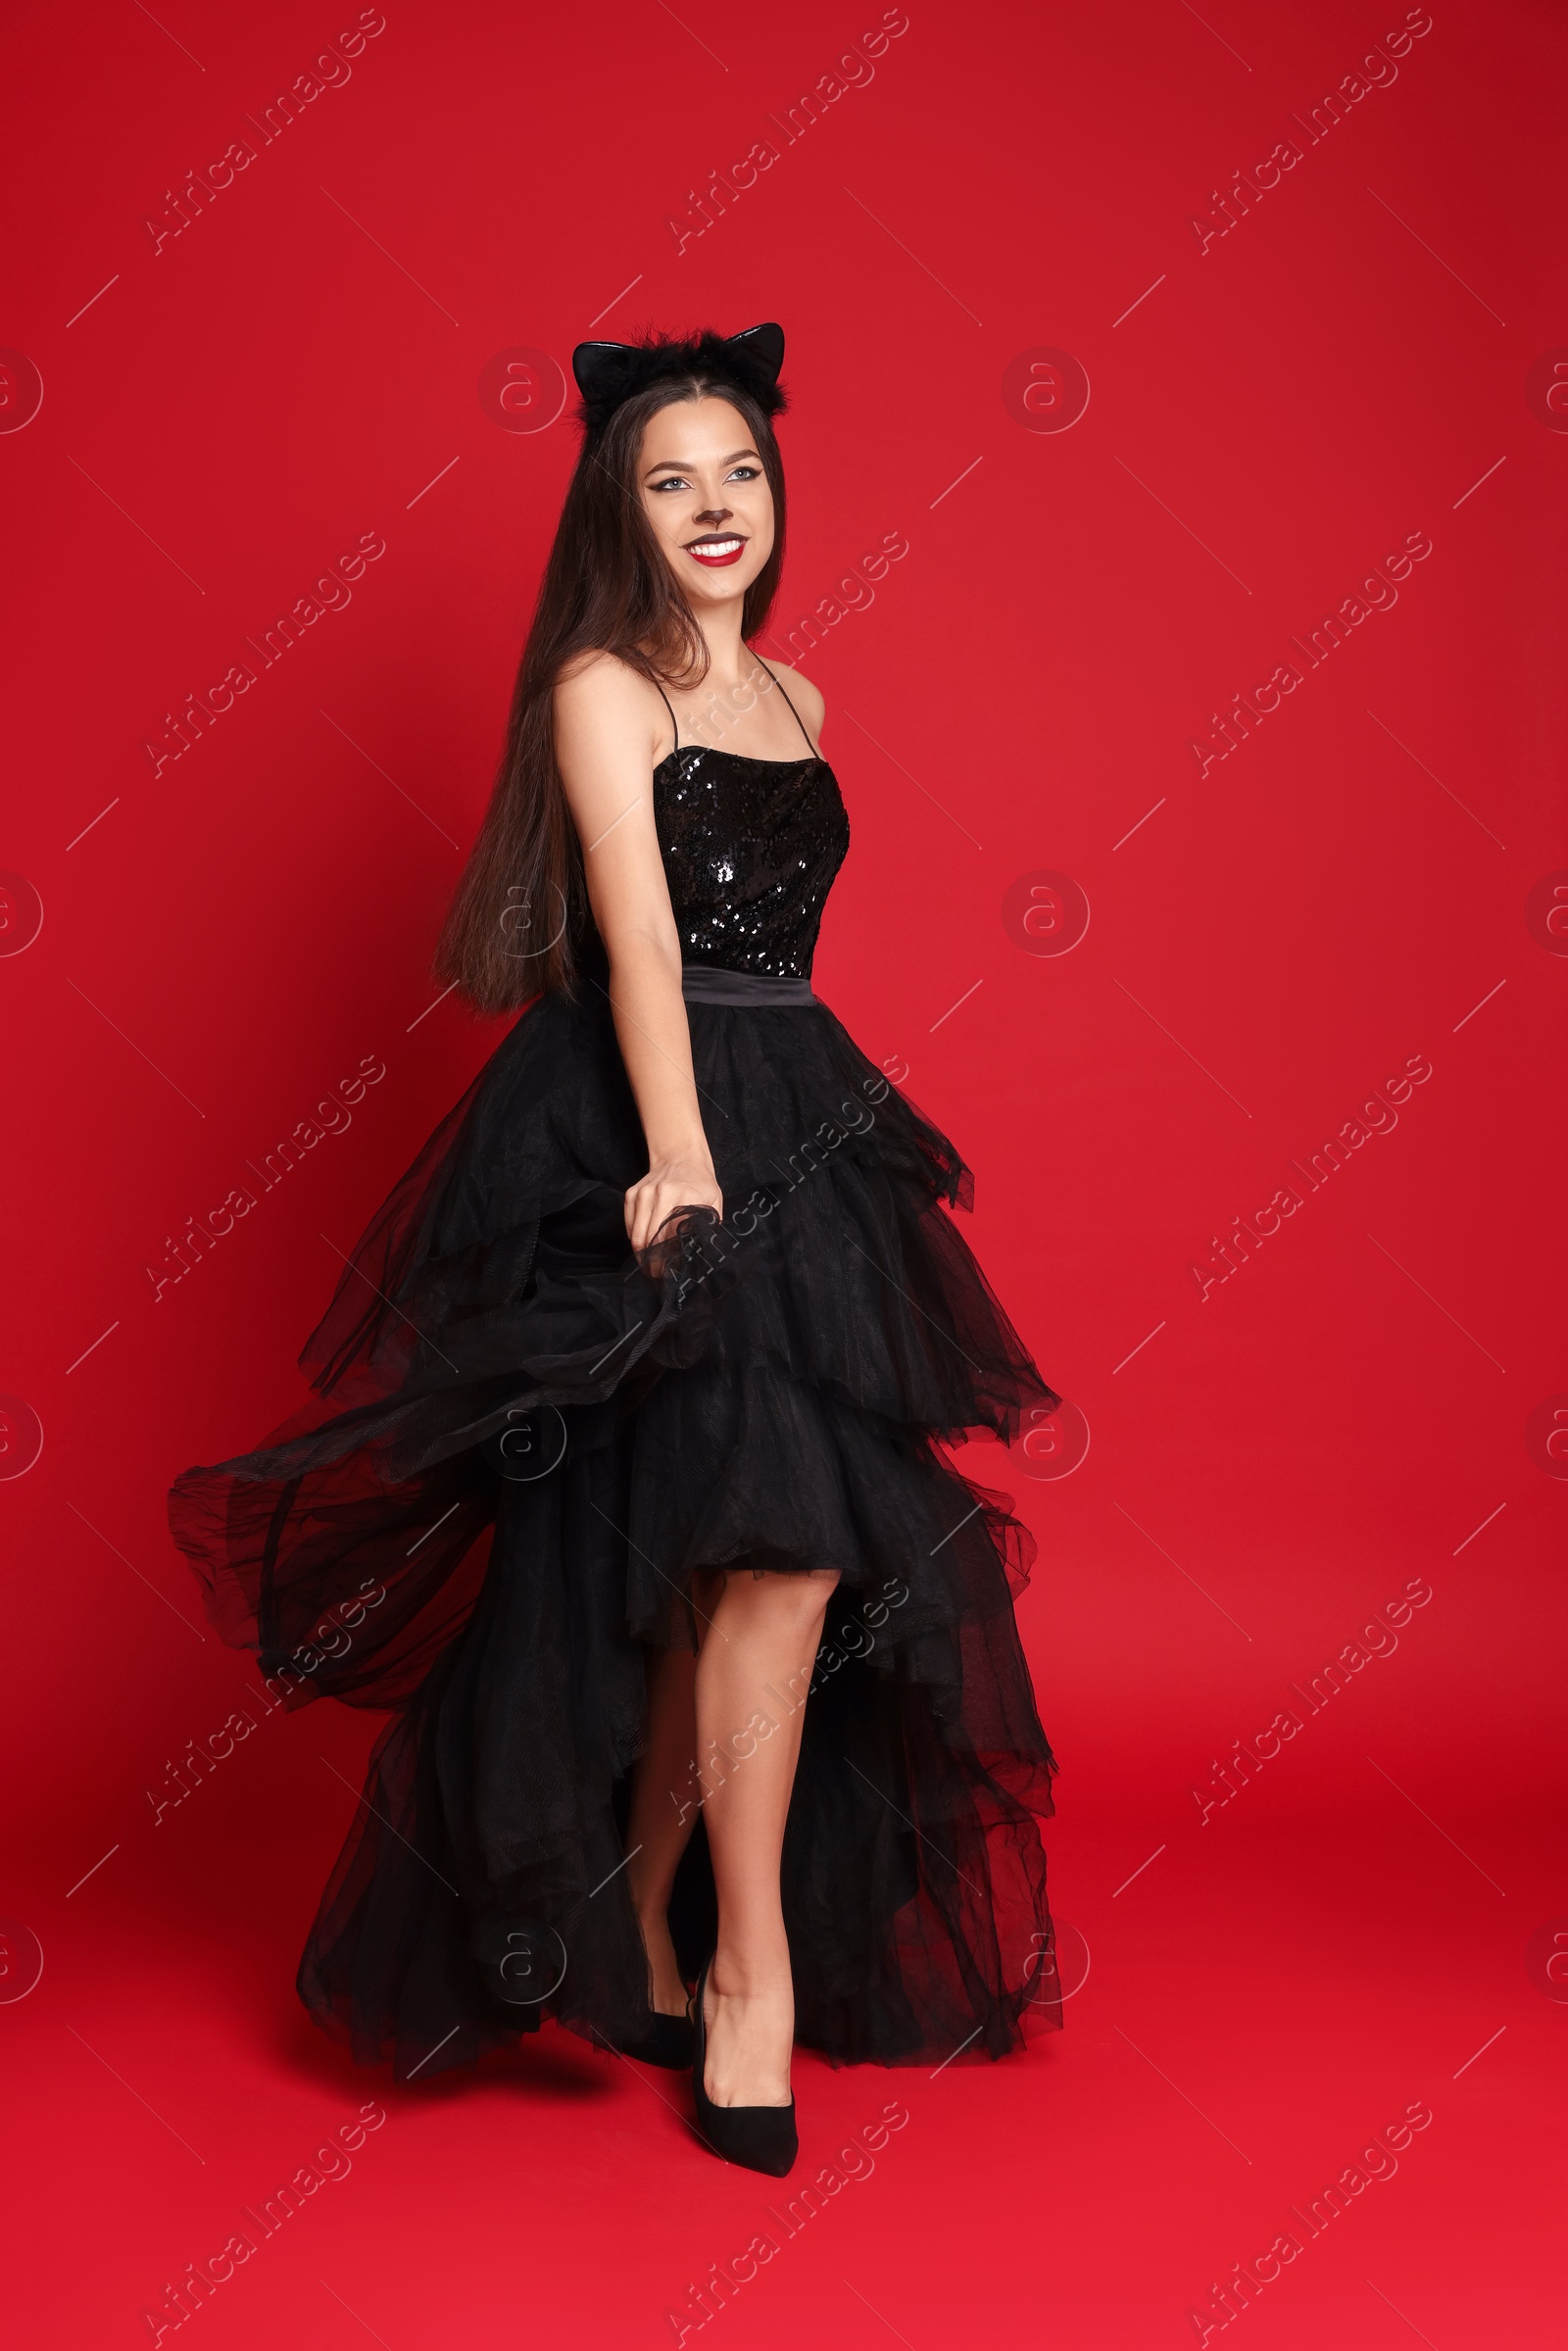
(706, 498)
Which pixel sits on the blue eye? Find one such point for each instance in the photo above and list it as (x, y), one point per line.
(744, 474)
(673, 481)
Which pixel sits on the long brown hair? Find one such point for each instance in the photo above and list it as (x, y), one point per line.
(521, 914)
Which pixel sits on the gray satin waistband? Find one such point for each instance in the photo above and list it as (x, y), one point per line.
(705, 984)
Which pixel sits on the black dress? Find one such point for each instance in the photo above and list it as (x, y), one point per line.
(524, 1441)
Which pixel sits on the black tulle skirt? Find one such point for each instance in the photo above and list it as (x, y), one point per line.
(524, 1444)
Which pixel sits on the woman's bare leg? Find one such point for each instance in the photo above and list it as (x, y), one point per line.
(753, 1674)
(665, 1801)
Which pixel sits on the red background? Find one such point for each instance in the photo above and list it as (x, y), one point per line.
(225, 939)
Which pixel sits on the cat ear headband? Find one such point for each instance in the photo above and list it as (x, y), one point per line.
(609, 374)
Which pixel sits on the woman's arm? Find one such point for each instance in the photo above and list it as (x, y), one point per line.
(606, 737)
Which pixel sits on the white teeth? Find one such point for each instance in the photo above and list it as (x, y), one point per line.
(716, 547)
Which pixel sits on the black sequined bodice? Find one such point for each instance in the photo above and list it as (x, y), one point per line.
(750, 848)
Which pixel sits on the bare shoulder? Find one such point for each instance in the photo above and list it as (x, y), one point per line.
(806, 698)
(595, 689)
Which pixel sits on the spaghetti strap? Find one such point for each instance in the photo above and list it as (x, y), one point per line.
(673, 720)
(798, 720)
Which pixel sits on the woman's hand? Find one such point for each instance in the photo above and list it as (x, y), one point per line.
(683, 1181)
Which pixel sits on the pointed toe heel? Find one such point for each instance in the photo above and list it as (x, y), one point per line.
(763, 2139)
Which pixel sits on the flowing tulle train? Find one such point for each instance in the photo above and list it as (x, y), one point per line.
(523, 1444)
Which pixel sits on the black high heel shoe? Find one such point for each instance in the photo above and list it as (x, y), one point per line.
(670, 2041)
(762, 2137)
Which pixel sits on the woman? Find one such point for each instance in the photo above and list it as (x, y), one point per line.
(623, 1488)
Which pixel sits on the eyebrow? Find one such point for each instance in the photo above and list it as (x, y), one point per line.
(683, 465)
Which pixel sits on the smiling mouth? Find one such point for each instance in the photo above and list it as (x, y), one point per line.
(715, 549)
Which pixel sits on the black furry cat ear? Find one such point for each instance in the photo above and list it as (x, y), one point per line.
(765, 343)
(604, 373)
(609, 374)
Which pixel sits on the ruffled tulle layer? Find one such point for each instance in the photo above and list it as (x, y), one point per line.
(522, 1447)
